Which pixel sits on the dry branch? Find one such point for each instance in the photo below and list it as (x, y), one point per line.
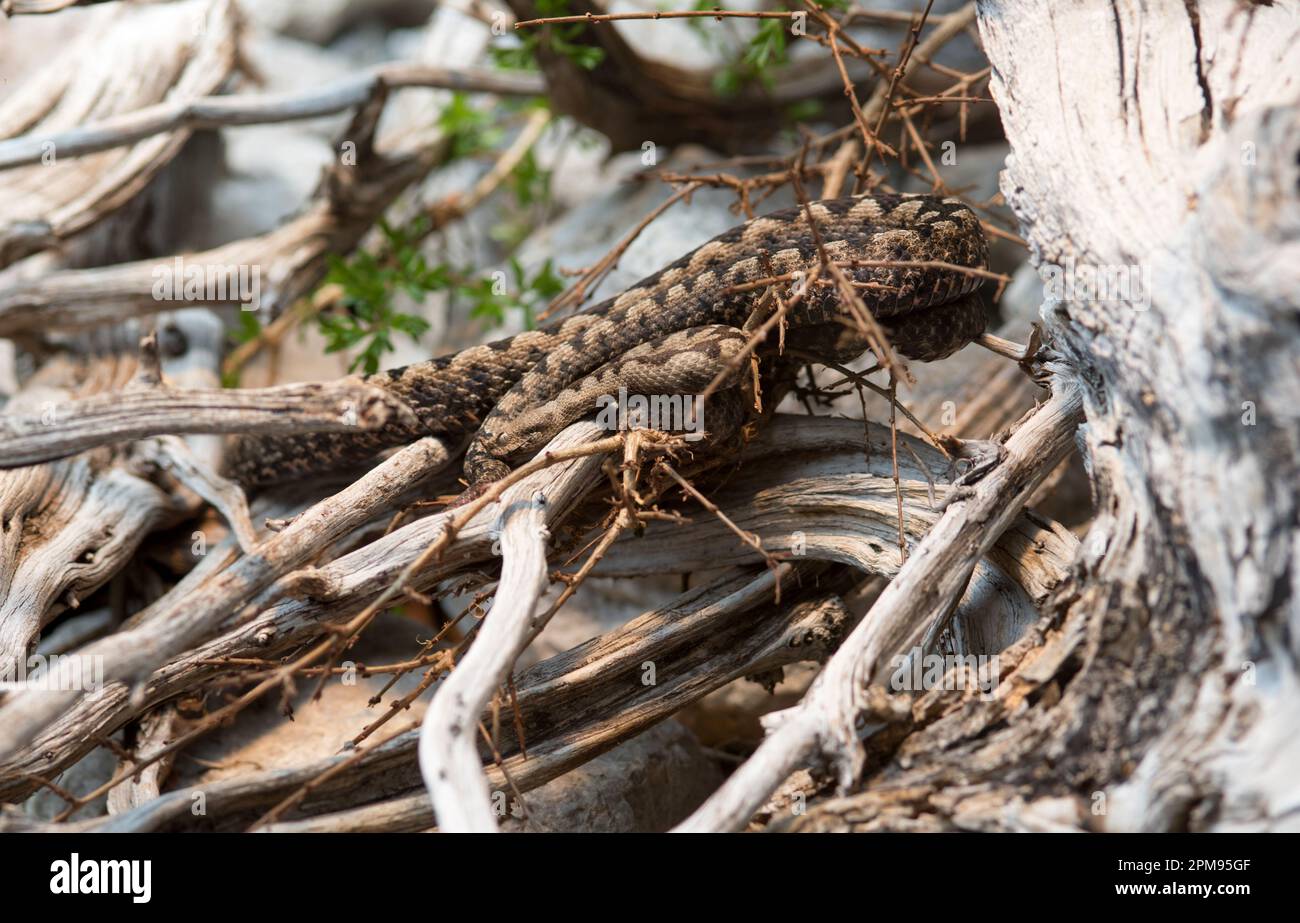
(68, 427)
(143, 53)
(71, 525)
(574, 705)
(289, 261)
(448, 751)
(920, 597)
(824, 488)
(197, 609)
(256, 109)
(65, 730)
(631, 99)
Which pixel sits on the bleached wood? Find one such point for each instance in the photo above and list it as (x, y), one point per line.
(1029, 556)
(448, 750)
(705, 638)
(256, 109)
(194, 610)
(1160, 136)
(71, 525)
(922, 594)
(64, 428)
(134, 56)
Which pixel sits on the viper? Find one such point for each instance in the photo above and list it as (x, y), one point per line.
(674, 332)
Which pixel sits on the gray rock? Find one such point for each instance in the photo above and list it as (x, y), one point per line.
(322, 20)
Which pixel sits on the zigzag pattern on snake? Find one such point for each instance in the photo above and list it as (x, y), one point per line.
(671, 333)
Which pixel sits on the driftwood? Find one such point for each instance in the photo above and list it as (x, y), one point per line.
(572, 707)
(1169, 676)
(1144, 673)
(70, 526)
(1032, 557)
(216, 111)
(65, 429)
(926, 587)
(196, 608)
(144, 53)
(290, 259)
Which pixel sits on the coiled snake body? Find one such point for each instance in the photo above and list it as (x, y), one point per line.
(672, 333)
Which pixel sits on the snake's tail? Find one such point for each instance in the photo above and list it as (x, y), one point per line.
(261, 461)
(446, 400)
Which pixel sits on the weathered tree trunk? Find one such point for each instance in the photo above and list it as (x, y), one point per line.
(1153, 143)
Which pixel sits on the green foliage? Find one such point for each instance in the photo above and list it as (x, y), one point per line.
(530, 184)
(802, 111)
(491, 299)
(370, 320)
(249, 327)
(518, 57)
(765, 51)
(561, 39)
(469, 131)
(368, 286)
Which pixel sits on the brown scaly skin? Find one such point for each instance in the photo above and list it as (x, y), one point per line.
(669, 334)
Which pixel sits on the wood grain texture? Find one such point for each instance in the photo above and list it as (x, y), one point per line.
(1161, 136)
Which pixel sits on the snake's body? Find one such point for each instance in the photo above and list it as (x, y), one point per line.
(672, 333)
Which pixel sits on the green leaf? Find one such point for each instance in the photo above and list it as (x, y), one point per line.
(467, 129)
(547, 283)
(514, 57)
(368, 282)
(756, 62)
(803, 110)
(249, 327)
(588, 57)
(411, 325)
(529, 182)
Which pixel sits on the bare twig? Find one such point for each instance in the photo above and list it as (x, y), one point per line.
(750, 539)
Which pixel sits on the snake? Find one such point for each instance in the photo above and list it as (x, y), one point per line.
(914, 260)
